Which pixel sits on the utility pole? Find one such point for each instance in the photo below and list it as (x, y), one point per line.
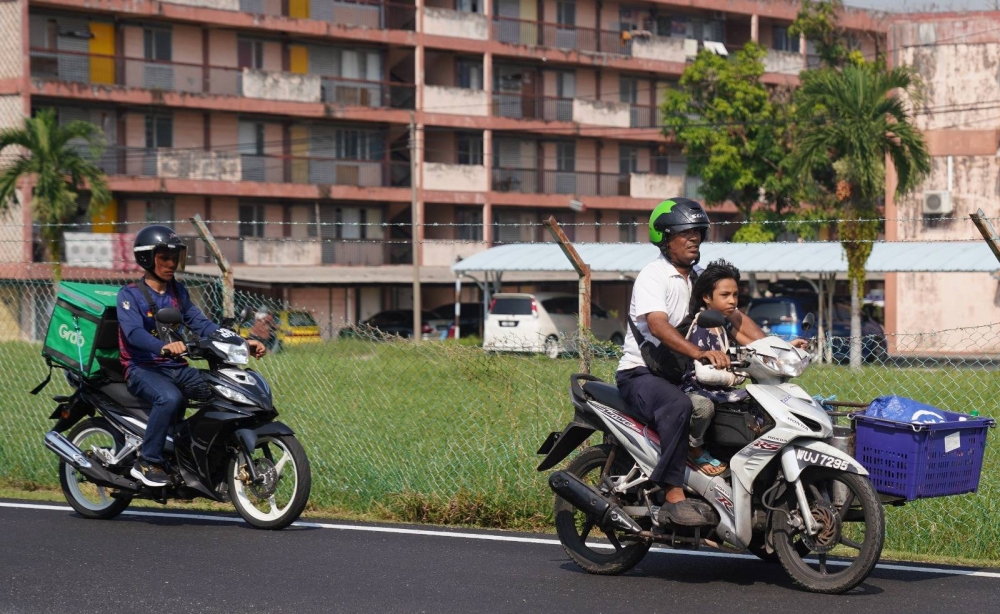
(415, 224)
(986, 229)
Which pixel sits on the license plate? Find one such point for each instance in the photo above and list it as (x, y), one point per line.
(508, 323)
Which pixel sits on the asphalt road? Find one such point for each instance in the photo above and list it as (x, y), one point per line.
(54, 561)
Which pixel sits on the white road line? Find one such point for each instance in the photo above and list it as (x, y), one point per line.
(490, 537)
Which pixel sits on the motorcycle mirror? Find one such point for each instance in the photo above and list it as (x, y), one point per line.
(169, 315)
(711, 318)
(808, 322)
(244, 314)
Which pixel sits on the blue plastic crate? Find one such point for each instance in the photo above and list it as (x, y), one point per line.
(917, 461)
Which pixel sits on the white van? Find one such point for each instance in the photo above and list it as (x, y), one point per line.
(542, 322)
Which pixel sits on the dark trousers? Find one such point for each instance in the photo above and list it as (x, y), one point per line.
(668, 410)
(166, 389)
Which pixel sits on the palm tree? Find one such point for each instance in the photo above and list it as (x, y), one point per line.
(55, 157)
(853, 123)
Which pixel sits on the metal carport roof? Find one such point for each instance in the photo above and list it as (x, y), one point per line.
(810, 257)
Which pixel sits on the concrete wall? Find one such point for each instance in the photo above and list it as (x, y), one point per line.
(647, 185)
(222, 48)
(281, 253)
(662, 48)
(586, 84)
(223, 5)
(281, 86)
(224, 131)
(446, 22)
(11, 50)
(783, 62)
(189, 129)
(446, 253)
(329, 306)
(455, 177)
(593, 113)
(227, 210)
(456, 101)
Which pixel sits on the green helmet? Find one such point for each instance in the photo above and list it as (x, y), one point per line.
(676, 215)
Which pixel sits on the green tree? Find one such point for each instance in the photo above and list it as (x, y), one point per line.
(818, 22)
(733, 133)
(853, 121)
(60, 159)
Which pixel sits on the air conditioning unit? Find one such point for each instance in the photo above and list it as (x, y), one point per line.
(937, 202)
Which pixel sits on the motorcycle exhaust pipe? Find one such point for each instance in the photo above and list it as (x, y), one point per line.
(65, 450)
(592, 503)
(97, 474)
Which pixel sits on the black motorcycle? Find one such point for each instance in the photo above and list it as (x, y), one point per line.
(230, 449)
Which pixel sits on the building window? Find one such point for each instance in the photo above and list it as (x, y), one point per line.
(566, 12)
(566, 157)
(470, 148)
(470, 223)
(157, 45)
(565, 84)
(159, 210)
(470, 74)
(628, 159)
(159, 131)
(469, 6)
(250, 54)
(783, 41)
(251, 221)
(628, 227)
(628, 89)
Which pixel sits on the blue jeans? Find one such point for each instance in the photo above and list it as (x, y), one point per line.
(166, 389)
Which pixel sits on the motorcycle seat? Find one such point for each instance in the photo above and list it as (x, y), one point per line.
(607, 394)
(119, 394)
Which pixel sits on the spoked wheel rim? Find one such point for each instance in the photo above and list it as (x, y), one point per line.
(849, 542)
(87, 494)
(275, 497)
(579, 533)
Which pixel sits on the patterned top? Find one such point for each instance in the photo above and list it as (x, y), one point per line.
(710, 339)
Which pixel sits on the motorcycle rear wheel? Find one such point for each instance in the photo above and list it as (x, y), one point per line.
(281, 498)
(856, 533)
(574, 527)
(89, 500)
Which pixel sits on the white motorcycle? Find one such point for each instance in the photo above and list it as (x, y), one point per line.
(793, 492)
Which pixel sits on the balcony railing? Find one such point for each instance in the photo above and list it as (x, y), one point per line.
(517, 106)
(543, 34)
(351, 13)
(201, 165)
(280, 251)
(79, 67)
(533, 181)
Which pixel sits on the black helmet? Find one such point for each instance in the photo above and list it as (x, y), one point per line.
(156, 237)
(676, 215)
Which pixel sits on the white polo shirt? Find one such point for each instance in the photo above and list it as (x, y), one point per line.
(658, 287)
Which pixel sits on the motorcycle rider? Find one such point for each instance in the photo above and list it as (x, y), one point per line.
(153, 370)
(661, 298)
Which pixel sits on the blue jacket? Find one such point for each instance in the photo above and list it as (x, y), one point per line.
(137, 336)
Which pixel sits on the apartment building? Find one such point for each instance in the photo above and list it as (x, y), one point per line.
(287, 123)
(956, 55)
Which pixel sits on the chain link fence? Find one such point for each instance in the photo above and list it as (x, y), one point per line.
(443, 431)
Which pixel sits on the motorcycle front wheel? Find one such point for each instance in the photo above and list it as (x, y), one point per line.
(851, 532)
(277, 499)
(93, 437)
(576, 530)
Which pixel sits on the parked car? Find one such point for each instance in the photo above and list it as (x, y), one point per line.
(399, 322)
(470, 319)
(291, 327)
(541, 322)
(782, 316)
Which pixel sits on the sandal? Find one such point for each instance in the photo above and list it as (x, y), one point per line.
(710, 465)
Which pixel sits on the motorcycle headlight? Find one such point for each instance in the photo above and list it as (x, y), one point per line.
(236, 353)
(234, 395)
(790, 364)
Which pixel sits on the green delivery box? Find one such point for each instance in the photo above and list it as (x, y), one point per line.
(84, 327)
